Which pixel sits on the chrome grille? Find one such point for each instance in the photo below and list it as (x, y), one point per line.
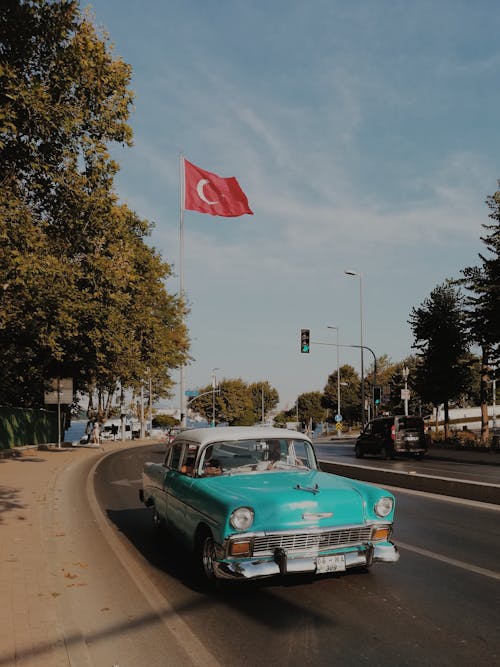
(265, 545)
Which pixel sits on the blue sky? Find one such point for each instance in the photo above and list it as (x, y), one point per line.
(365, 136)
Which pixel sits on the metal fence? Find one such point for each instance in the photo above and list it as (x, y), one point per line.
(25, 426)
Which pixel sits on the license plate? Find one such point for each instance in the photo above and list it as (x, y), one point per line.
(330, 564)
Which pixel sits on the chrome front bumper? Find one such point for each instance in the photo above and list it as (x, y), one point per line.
(254, 568)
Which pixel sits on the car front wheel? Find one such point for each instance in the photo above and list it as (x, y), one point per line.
(358, 452)
(205, 557)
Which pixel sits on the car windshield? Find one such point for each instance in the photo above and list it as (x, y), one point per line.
(267, 455)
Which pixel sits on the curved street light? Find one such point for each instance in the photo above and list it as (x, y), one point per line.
(339, 414)
(349, 272)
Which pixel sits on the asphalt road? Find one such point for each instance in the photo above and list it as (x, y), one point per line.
(438, 606)
(344, 452)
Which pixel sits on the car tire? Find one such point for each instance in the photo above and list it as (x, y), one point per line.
(358, 452)
(384, 454)
(204, 557)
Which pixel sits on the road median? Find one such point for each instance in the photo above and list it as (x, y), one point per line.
(448, 486)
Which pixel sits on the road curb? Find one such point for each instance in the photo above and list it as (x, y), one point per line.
(458, 488)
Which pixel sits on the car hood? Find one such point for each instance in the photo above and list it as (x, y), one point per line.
(291, 500)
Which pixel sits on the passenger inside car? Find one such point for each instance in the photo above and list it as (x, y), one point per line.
(274, 453)
(211, 466)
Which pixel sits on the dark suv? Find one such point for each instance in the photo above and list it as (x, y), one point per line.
(388, 436)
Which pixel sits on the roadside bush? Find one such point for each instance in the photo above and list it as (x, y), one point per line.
(463, 438)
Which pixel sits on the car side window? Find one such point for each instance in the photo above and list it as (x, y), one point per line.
(303, 454)
(368, 429)
(378, 427)
(176, 456)
(189, 459)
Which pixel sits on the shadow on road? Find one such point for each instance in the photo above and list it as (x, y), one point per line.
(265, 601)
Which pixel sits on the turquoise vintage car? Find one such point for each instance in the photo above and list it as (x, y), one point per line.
(251, 502)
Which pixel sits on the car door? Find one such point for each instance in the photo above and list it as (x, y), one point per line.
(178, 483)
(365, 439)
(378, 436)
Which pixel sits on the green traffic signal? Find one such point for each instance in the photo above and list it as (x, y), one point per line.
(377, 395)
(305, 344)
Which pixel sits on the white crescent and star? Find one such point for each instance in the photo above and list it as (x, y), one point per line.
(199, 189)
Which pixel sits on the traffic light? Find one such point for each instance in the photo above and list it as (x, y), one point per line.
(305, 345)
(377, 394)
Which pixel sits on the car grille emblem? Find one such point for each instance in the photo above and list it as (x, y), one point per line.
(308, 516)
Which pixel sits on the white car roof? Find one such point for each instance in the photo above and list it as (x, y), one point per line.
(203, 436)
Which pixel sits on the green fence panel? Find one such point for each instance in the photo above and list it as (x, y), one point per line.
(24, 426)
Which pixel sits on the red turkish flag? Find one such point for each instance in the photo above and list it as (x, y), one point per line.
(208, 193)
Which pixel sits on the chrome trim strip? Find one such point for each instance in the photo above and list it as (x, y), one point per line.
(367, 531)
(245, 569)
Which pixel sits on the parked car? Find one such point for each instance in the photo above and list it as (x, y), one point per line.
(251, 502)
(389, 436)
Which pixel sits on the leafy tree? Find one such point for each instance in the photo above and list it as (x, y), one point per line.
(350, 394)
(82, 294)
(440, 335)
(236, 402)
(233, 403)
(271, 398)
(310, 408)
(282, 418)
(164, 421)
(483, 305)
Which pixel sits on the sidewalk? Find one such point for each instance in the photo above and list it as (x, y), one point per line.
(71, 593)
(29, 588)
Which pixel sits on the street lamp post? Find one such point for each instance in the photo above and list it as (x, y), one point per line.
(405, 372)
(360, 276)
(214, 386)
(338, 379)
(494, 388)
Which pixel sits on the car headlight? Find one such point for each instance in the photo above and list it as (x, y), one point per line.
(384, 506)
(242, 518)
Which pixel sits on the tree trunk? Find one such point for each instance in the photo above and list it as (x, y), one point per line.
(446, 420)
(485, 378)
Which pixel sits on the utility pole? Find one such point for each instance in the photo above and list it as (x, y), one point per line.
(405, 372)
(338, 419)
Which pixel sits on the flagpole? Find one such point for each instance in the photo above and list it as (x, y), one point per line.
(181, 281)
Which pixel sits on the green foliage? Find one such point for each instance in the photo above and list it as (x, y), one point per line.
(440, 335)
(271, 399)
(310, 407)
(483, 284)
(350, 394)
(164, 421)
(236, 402)
(483, 307)
(83, 295)
(282, 418)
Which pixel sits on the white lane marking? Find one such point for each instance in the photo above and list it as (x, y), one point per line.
(450, 561)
